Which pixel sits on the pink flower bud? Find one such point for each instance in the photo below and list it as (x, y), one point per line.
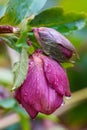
(54, 43)
(44, 87)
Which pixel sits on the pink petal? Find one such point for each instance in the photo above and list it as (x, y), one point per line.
(57, 37)
(54, 101)
(34, 88)
(68, 53)
(17, 95)
(31, 111)
(36, 91)
(56, 76)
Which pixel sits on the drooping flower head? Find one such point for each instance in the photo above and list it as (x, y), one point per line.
(54, 43)
(44, 87)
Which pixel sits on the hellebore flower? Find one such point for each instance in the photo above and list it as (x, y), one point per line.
(44, 87)
(54, 43)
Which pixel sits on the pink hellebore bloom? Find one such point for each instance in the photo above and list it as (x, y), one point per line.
(54, 43)
(44, 87)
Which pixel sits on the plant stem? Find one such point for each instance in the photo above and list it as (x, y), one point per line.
(8, 29)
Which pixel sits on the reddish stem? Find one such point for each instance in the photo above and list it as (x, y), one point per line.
(8, 29)
(29, 42)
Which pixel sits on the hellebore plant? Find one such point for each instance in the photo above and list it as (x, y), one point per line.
(44, 87)
(40, 81)
(46, 82)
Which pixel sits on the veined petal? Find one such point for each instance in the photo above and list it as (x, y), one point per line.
(56, 76)
(31, 111)
(53, 43)
(44, 87)
(54, 101)
(17, 95)
(36, 91)
(60, 39)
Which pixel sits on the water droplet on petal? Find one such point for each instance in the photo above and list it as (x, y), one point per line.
(37, 92)
(25, 94)
(31, 63)
(68, 97)
(49, 70)
(37, 79)
(56, 83)
(46, 64)
(73, 62)
(57, 80)
(63, 103)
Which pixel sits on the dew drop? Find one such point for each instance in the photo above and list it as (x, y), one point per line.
(73, 62)
(37, 92)
(31, 63)
(46, 65)
(57, 80)
(63, 103)
(49, 70)
(56, 83)
(37, 79)
(68, 97)
(25, 94)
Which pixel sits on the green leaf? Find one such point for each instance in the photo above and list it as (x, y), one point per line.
(22, 42)
(15, 67)
(18, 10)
(56, 18)
(3, 6)
(32, 38)
(21, 111)
(8, 103)
(67, 65)
(21, 70)
(10, 40)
